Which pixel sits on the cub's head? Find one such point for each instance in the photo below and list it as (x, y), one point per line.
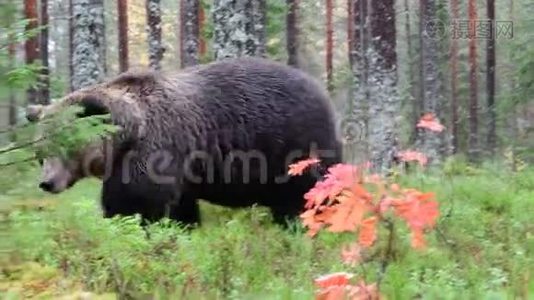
(63, 171)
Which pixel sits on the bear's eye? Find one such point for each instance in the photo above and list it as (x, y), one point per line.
(41, 161)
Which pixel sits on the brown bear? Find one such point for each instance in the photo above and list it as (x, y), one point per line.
(224, 132)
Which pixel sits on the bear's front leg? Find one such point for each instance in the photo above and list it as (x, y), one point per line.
(185, 211)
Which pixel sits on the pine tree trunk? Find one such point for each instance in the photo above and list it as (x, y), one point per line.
(31, 46)
(429, 142)
(259, 8)
(473, 84)
(235, 28)
(292, 33)
(88, 46)
(189, 32)
(454, 81)
(354, 127)
(385, 103)
(122, 8)
(44, 90)
(329, 44)
(155, 47)
(490, 81)
(414, 99)
(202, 48)
(71, 45)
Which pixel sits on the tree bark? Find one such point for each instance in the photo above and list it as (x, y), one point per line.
(88, 43)
(259, 8)
(415, 101)
(31, 45)
(329, 44)
(189, 32)
(473, 84)
(292, 33)
(429, 142)
(385, 102)
(355, 125)
(201, 23)
(236, 28)
(490, 81)
(454, 81)
(44, 89)
(122, 8)
(155, 47)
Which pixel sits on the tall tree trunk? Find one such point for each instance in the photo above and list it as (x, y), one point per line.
(71, 45)
(88, 47)
(259, 11)
(473, 84)
(414, 99)
(490, 81)
(354, 128)
(31, 46)
(202, 48)
(454, 80)
(189, 32)
(155, 47)
(429, 142)
(292, 33)
(329, 44)
(44, 90)
(385, 103)
(350, 31)
(122, 8)
(235, 29)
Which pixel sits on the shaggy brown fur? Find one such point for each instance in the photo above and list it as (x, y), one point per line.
(208, 118)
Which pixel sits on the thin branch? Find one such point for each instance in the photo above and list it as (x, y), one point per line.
(17, 162)
(388, 255)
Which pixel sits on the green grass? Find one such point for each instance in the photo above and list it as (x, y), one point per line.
(483, 247)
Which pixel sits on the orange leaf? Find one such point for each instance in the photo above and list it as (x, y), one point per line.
(347, 216)
(430, 122)
(363, 291)
(309, 220)
(334, 279)
(299, 167)
(410, 155)
(332, 293)
(367, 235)
(418, 239)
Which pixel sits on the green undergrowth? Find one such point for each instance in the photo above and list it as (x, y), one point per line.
(60, 246)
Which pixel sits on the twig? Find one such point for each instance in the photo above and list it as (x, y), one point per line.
(17, 162)
(389, 251)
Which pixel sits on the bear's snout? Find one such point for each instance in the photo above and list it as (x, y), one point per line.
(47, 186)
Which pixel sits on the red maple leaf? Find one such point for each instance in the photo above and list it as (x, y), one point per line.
(334, 279)
(420, 211)
(299, 167)
(430, 122)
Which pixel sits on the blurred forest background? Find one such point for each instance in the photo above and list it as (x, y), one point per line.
(386, 63)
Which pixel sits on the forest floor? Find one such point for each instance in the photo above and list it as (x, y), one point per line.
(59, 247)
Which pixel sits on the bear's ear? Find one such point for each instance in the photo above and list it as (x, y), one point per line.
(91, 106)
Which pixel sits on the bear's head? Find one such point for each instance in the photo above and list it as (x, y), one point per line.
(61, 172)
